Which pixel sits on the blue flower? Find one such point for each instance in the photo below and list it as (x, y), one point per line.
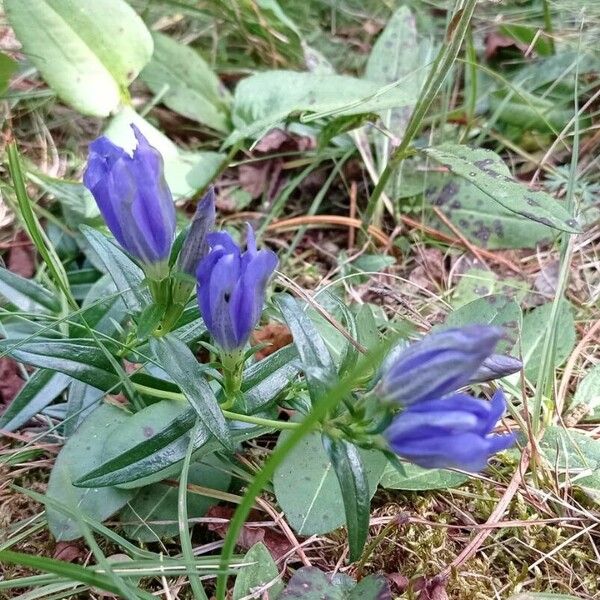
(437, 365)
(195, 245)
(451, 432)
(133, 197)
(231, 288)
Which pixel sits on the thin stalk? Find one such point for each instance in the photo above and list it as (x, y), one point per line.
(439, 71)
(184, 529)
(233, 416)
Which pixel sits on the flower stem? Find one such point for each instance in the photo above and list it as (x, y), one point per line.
(233, 416)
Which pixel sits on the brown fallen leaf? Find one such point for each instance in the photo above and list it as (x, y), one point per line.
(69, 551)
(277, 544)
(10, 382)
(277, 335)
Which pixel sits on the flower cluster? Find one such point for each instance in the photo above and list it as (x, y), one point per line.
(440, 428)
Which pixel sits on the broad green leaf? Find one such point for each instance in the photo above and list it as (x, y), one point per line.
(152, 514)
(88, 51)
(308, 490)
(265, 99)
(182, 366)
(39, 391)
(486, 171)
(310, 583)
(7, 67)
(81, 359)
(416, 478)
(186, 84)
(144, 453)
(316, 360)
(348, 467)
(496, 309)
(25, 294)
(479, 283)
(127, 276)
(258, 572)
(575, 456)
(82, 399)
(185, 172)
(535, 328)
(84, 450)
(486, 224)
(398, 55)
(588, 394)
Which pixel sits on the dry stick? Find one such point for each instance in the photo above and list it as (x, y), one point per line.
(279, 520)
(478, 540)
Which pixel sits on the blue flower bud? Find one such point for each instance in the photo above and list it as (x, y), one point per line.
(195, 245)
(133, 197)
(451, 432)
(437, 365)
(496, 366)
(231, 288)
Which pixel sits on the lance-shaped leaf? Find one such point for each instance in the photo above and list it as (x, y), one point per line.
(167, 446)
(39, 391)
(317, 363)
(181, 365)
(348, 467)
(27, 295)
(79, 358)
(485, 170)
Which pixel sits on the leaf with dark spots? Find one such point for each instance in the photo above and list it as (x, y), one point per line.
(491, 178)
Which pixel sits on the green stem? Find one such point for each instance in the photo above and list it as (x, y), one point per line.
(233, 416)
(439, 71)
(184, 532)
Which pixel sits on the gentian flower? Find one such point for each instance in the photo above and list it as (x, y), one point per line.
(133, 197)
(195, 245)
(451, 432)
(231, 288)
(437, 365)
(496, 366)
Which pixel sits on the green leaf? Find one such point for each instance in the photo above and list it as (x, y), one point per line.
(496, 309)
(88, 52)
(146, 517)
(186, 84)
(182, 366)
(39, 391)
(352, 478)
(257, 572)
(486, 171)
(127, 276)
(7, 67)
(316, 361)
(81, 359)
(186, 172)
(62, 569)
(310, 583)
(486, 224)
(575, 457)
(144, 453)
(415, 478)
(535, 328)
(82, 399)
(588, 394)
(398, 55)
(27, 295)
(263, 100)
(84, 450)
(308, 490)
